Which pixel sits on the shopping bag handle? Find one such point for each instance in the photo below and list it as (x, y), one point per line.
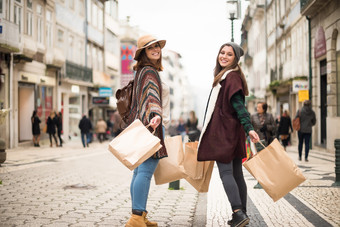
(261, 144)
(153, 131)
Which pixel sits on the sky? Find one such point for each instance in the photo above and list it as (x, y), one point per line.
(194, 28)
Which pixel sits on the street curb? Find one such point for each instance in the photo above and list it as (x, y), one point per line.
(200, 218)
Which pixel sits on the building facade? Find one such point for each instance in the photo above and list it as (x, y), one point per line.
(53, 58)
(291, 54)
(324, 24)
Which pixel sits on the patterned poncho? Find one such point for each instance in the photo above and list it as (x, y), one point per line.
(147, 101)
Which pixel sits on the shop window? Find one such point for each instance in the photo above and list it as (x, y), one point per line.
(44, 102)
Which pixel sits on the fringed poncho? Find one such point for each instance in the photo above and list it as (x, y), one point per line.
(147, 101)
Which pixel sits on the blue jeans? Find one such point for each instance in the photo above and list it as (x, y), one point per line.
(306, 137)
(87, 139)
(140, 184)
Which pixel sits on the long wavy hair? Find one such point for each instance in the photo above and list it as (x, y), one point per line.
(143, 60)
(219, 71)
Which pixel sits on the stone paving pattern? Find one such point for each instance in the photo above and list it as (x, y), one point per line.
(36, 191)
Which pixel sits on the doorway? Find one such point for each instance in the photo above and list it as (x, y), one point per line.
(323, 101)
(26, 107)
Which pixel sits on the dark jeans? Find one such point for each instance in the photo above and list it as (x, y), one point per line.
(306, 138)
(234, 184)
(101, 137)
(55, 138)
(60, 140)
(85, 142)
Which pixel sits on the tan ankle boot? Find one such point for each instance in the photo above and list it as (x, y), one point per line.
(136, 221)
(147, 222)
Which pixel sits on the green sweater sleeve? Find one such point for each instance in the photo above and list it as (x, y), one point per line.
(237, 102)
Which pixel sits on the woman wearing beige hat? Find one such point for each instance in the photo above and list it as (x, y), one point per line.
(147, 107)
(225, 124)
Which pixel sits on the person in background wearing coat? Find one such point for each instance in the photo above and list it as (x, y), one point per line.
(35, 128)
(101, 127)
(264, 125)
(51, 126)
(191, 126)
(226, 124)
(147, 107)
(59, 124)
(85, 126)
(307, 121)
(284, 126)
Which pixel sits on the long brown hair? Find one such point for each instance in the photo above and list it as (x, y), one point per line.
(219, 71)
(143, 60)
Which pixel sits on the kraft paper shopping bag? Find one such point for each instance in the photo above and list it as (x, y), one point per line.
(275, 170)
(134, 145)
(171, 168)
(202, 184)
(192, 167)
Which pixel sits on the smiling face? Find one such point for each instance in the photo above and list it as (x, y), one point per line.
(153, 52)
(226, 56)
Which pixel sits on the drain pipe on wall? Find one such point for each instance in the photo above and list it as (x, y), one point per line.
(310, 58)
(310, 69)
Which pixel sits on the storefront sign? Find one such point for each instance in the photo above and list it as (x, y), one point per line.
(105, 91)
(300, 85)
(100, 100)
(320, 43)
(303, 95)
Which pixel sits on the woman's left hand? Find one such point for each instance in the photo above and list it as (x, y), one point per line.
(155, 121)
(254, 136)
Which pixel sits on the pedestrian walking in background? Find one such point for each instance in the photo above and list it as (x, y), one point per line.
(264, 124)
(307, 121)
(109, 124)
(225, 127)
(35, 128)
(101, 127)
(181, 127)
(172, 130)
(51, 128)
(284, 126)
(191, 127)
(147, 107)
(85, 126)
(59, 124)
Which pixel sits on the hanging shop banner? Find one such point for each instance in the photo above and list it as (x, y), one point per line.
(320, 43)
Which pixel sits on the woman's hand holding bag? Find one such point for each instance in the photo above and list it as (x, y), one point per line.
(132, 154)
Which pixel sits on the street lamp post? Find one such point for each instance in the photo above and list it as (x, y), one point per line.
(233, 12)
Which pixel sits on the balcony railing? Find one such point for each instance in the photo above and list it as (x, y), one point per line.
(9, 38)
(78, 72)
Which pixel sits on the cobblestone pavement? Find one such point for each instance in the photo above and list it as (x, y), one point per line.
(75, 186)
(314, 203)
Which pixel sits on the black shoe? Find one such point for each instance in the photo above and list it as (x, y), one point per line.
(306, 159)
(230, 221)
(240, 219)
(299, 158)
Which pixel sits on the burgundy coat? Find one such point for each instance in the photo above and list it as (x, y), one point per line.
(224, 137)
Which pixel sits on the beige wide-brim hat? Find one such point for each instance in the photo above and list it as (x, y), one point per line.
(145, 41)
